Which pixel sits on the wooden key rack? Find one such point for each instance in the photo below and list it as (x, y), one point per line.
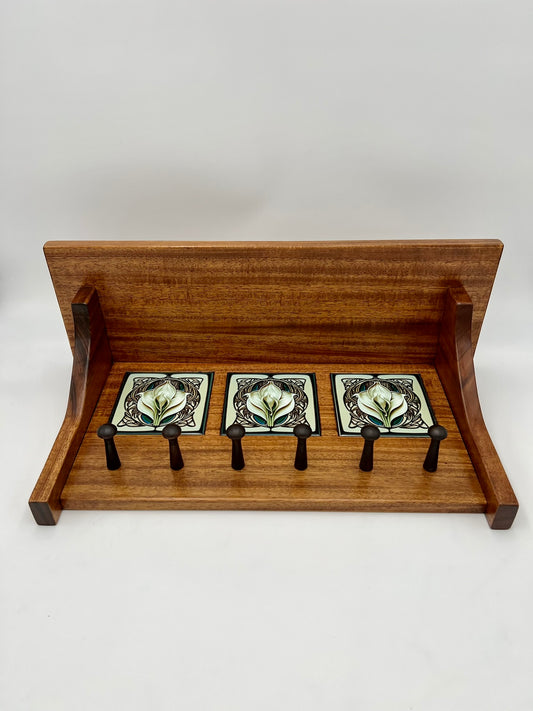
(317, 308)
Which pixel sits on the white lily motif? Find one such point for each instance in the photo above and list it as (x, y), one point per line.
(270, 403)
(382, 403)
(161, 402)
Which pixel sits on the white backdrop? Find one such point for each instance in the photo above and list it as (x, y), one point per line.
(262, 120)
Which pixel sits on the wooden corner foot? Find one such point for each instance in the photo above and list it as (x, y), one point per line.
(502, 518)
(43, 513)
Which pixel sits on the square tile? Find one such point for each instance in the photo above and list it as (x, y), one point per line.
(397, 404)
(148, 401)
(271, 403)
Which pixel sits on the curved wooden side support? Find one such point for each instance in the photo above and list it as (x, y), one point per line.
(455, 366)
(91, 365)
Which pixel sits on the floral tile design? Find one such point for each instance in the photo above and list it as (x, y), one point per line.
(397, 404)
(148, 401)
(271, 404)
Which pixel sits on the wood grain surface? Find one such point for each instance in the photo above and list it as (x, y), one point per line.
(274, 301)
(332, 481)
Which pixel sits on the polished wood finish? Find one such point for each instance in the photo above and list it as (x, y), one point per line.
(455, 365)
(91, 365)
(284, 301)
(235, 433)
(369, 433)
(171, 433)
(107, 432)
(331, 482)
(302, 432)
(322, 307)
(437, 434)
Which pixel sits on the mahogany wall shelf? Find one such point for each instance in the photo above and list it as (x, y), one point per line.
(274, 307)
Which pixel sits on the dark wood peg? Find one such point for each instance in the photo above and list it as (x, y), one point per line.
(236, 433)
(370, 434)
(172, 432)
(303, 432)
(107, 432)
(437, 434)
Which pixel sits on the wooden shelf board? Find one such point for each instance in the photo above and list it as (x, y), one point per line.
(269, 481)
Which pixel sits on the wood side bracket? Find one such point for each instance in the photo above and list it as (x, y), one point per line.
(455, 367)
(92, 362)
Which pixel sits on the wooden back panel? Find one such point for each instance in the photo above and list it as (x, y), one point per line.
(268, 301)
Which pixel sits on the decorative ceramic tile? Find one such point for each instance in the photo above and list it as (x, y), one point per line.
(149, 401)
(397, 404)
(271, 404)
